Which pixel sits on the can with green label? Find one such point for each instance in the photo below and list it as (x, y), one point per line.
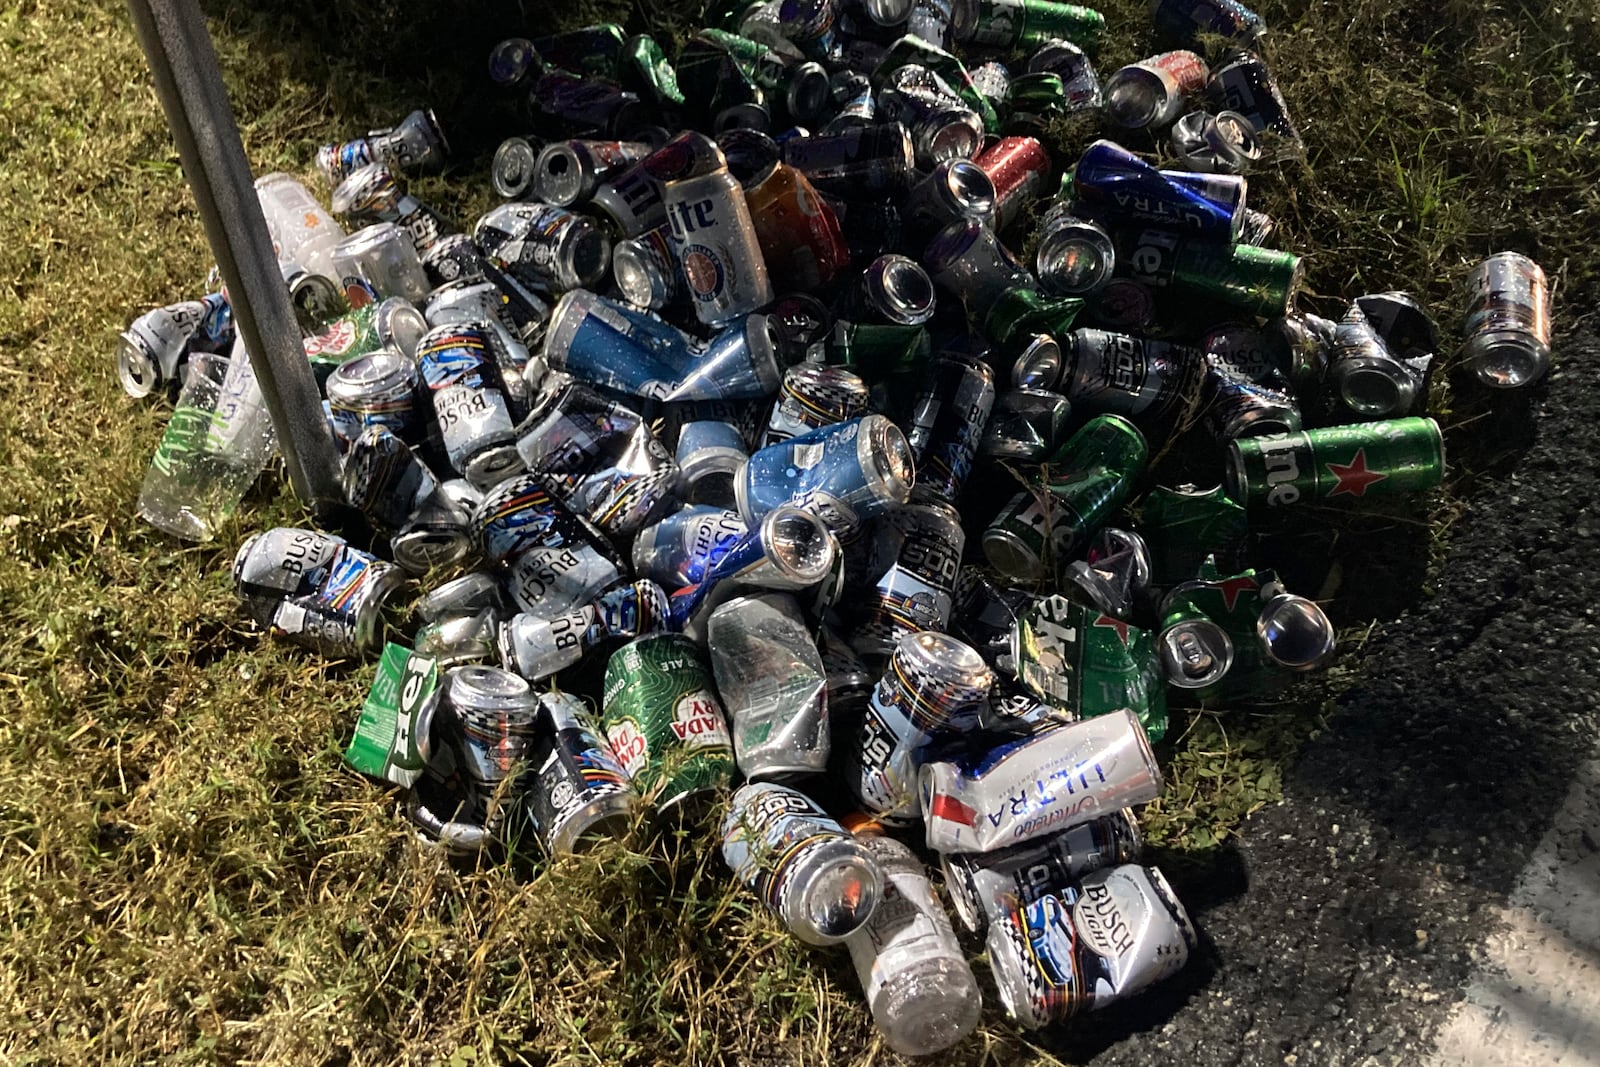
(663, 719)
(1247, 277)
(1090, 663)
(1336, 463)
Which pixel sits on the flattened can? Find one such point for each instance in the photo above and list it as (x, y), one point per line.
(664, 721)
(576, 788)
(458, 368)
(915, 593)
(1335, 462)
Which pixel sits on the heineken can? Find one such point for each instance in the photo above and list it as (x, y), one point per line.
(1508, 321)
(568, 172)
(923, 543)
(814, 395)
(682, 548)
(1261, 281)
(1152, 92)
(1084, 945)
(846, 473)
(315, 589)
(1086, 481)
(574, 788)
(1335, 462)
(802, 864)
(933, 684)
(663, 719)
(984, 886)
(544, 246)
(457, 365)
(1089, 663)
(1039, 784)
(773, 684)
(1195, 652)
(715, 244)
(378, 389)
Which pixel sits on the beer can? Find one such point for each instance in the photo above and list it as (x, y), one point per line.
(545, 246)
(1186, 20)
(633, 201)
(1025, 425)
(798, 232)
(1038, 785)
(1080, 85)
(514, 171)
(154, 346)
(1236, 406)
(664, 721)
(315, 589)
(537, 648)
(469, 594)
(457, 366)
(378, 389)
(384, 479)
(1154, 383)
(934, 683)
(1508, 321)
(372, 194)
(1261, 281)
(788, 549)
(1116, 181)
(1152, 92)
(576, 790)
(1089, 663)
(681, 548)
(568, 172)
(802, 864)
(645, 269)
(1081, 946)
(969, 265)
(485, 725)
(773, 684)
(947, 424)
(716, 247)
(872, 159)
(377, 262)
(984, 886)
(923, 544)
(814, 395)
(846, 473)
(1335, 462)
(1245, 85)
(454, 257)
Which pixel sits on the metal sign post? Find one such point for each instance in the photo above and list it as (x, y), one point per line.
(189, 83)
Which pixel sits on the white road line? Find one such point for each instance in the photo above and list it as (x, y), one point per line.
(1535, 999)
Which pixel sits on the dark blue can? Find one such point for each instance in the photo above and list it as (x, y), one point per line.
(1116, 181)
(847, 473)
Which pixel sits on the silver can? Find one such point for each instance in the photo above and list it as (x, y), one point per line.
(923, 543)
(458, 367)
(576, 789)
(377, 389)
(380, 261)
(1508, 321)
(545, 246)
(813, 395)
(315, 589)
(773, 685)
(716, 247)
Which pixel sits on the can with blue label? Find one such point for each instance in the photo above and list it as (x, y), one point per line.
(847, 473)
(681, 548)
(458, 369)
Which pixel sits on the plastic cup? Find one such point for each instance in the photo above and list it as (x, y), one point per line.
(217, 441)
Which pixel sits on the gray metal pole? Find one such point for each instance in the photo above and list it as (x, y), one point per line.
(189, 83)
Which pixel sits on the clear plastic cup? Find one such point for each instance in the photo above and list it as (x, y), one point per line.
(218, 439)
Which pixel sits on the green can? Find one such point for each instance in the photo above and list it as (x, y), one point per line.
(661, 714)
(1089, 663)
(1336, 463)
(1030, 23)
(1024, 312)
(1034, 100)
(1084, 483)
(910, 50)
(1184, 525)
(1258, 280)
(645, 69)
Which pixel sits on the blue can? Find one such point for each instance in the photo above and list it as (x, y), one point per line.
(1118, 182)
(681, 548)
(846, 473)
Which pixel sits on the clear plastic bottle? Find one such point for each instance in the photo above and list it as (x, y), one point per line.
(301, 227)
(919, 986)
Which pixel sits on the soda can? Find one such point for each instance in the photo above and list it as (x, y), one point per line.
(846, 473)
(646, 270)
(377, 389)
(934, 684)
(801, 243)
(814, 395)
(569, 172)
(923, 542)
(1025, 425)
(681, 548)
(715, 244)
(802, 864)
(1084, 945)
(1116, 181)
(1508, 321)
(1261, 281)
(574, 788)
(1080, 85)
(1334, 462)
(1152, 91)
(633, 201)
(985, 886)
(514, 171)
(457, 366)
(1038, 785)
(947, 424)
(1019, 168)
(1186, 20)
(773, 684)
(1246, 86)
(544, 246)
(664, 722)
(315, 590)
(868, 160)
(1089, 663)
(1087, 480)
(378, 262)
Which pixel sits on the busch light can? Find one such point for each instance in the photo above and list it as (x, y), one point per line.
(458, 368)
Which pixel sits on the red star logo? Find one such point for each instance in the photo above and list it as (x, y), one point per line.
(1114, 624)
(1235, 587)
(1356, 478)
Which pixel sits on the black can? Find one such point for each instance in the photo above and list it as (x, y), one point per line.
(947, 424)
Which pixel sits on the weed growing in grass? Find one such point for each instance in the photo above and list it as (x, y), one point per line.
(188, 873)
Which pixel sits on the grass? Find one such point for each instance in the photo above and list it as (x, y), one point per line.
(188, 874)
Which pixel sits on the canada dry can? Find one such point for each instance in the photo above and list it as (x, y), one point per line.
(315, 589)
(1086, 481)
(986, 885)
(1082, 946)
(916, 591)
(947, 424)
(814, 395)
(577, 787)
(664, 721)
(846, 473)
(934, 683)
(378, 389)
(802, 864)
(1508, 321)
(1336, 463)
(773, 684)
(716, 246)
(457, 366)
(1039, 785)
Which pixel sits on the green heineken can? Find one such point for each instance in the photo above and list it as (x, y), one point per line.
(1184, 525)
(1034, 100)
(645, 69)
(1089, 663)
(1085, 482)
(1023, 313)
(1259, 280)
(661, 714)
(1336, 463)
(1028, 24)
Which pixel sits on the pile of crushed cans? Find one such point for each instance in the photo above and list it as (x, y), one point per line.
(737, 443)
